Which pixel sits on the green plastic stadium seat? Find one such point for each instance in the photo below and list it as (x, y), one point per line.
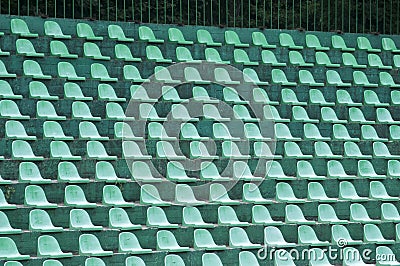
(74, 92)
(6, 91)
(396, 61)
(296, 59)
(241, 57)
(192, 75)
(106, 92)
(130, 150)
(288, 96)
(48, 247)
(199, 150)
(275, 171)
(209, 172)
(191, 217)
(80, 110)
(364, 44)
(316, 192)
(176, 172)
(100, 72)
(29, 173)
(380, 150)
(269, 58)
(375, 61)
(112, 196)
(306, 170)
(279, 77)
(359, 214)
(25, 47)
(231, 95)
(132, 74)
(38, 90)
(368, 132)
(251, 76)
(35, 197)
(16, 130)
(91, 50)
(393, 169)
(286, 40)
(105, 172)
(350, 61)
(222, 76)
(293, 214)
(259, 39)
(149, 195)
(175, 35)
(242, 171)
(94, 262)
(273, 237)
(58, 48)
(67, 172)
(148, 112)
(340, 133)
(184, 195)
(170, 94)
(115, 32)
(336, 170)
(338, 43)
(261, 96)
(389, 213)
(153, 53)
(351, 150)
(53, 130)
(9, 250)
(394, 132)
(89, 245)
(251, 193)
(4, 204)
(389, 45)
(282, 132)
(357, 116)
(221, 131)
(138, 93)
(383, 253)
(163, 75)
(247, 258)
(204, 37)
(307, 236)
(211, 112)
(83, 30)
(157, 131)
(128, 243)
(343, 98)
(322, 59)
(96, 150)
(284, 193)
(39, 220)
(312, 41)
(238, 239)
(340, 233)
(5, 227)
(316, 97)
(371, 98)
(232, 38)
(173, 260)
(355, 258)
(166, 241)
(212, 56)
(372, 234)
(60, 150)
(45, 110)
(384, 116)
(123, 52)
(3, 53)
(4, 73)
(156, 218)
(378, 191)
(360, 79)
(306, 78)
(366, 170)
(333, 78)
(165, 150)
(147, 34)
(189, 132)
(203, 240)
(261, 215)
(75, 197)
(327, 214)
(252, 131)
(385, 79)
(52, 29)
(219, 195)
(52, 262)
(19, 27)
(211, 259)
(227, 216)
(300, 114)
(328, 115)
(311, 132)
(21, 150)
(183, 54)
(292, 150)
(319, 258)
(33, 69)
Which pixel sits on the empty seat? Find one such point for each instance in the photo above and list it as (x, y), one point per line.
(175, 35)
(242, 171)
(75, 197)
(105, 172)
(153, 53)
(350, 61)
(131, 149)
(250, 75)
(269, 58)
(327, 214)
(165, 150)
(227, 216)
(390, 213)
(375, 61)
(9, 109)
(21, 150)
(149, 195)
(39, 91)
(288, 96)
(9, 250)
(296, 59)
(204, 37)
(364, 44)
(360, 79)
(259, 39)
(60, 150)
(311, 132)
(112, 196)
(246, 258)
(232, 38)
(231, 150)
(29, 173)
(340, 133)
(67, 70)
(183, 54)
(336, 170)
(261, 215)
(115, 32)
(67, 172)
(286, 40)
(5, 227)
(273, 237)
(189, 131)
(48, 247)
(89, 245)
(58, 48)
(170, 94)
(347, 191)
(192, 75)
(305, 170)
(94, 262)
(312, 41)
(157, 131)
(123, 52)
(176, 172)
(88, 130)
(328, 115)
(212, 55)
(4, 204)
(333, 78)
(19, 27)
(365, 169)
(199, 150)
(274, 170)
(138, 93)
(26, 48)
(393, 169)
(210, 172)
(359, 214)
(294, 214)
(53, 130)
(163, 75)
(368, 132)
(35, 197)
(282, 132)
(323, 59)
(306, 78)
(211, 259)
(91, 50)
(114, 111)
(52, 29)
(389, 45)
(238, 238)
(148, 112)
(292, 150)
(284, 193)
(211, 112)
(39, 220)
(32, 69)
(81, 110)
(96, 150)
(16, 130)
(378, 191)
(219, 195)
(300, 114)
(355, 258)
(338, 43)
(385, 256)
(6, 91)
(184, 195)
(132, 74)
(147, 34)
(222, 75)
(173, 260)
(46, 110)
(307, 236)
(371, 98)
(385, 79)
(129, 243)
(357, 116)
(84, 30)
(74, 92)
(241, 57)
(252, 131)
(166, 241)
(340, 233)
(100, 72)
(316, 192)
(191, 217)
(279, 77)
(319, 258)
(384, 116)
(372, 234)
(343, 97)
(323, 150)
(380, 150)
(156, 217)
(251, 193)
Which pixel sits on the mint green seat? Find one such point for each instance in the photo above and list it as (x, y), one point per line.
(132, 74)
(211, 259)
(166, 241)
(284, 193)
(129, 243)
(393, 168)
(296, 59)
(203, 240)
(316, 97)
(305, 170)
(221, 75)
(153, 53)
(351, 150)
(375, 61)
(394, 132)
(219, 195)
(79, 219)
(123, 52)
(385, 79)
(193, 75)
(340, 133)
(60, 150)
(274, 170)
(75, 197)
(368, 132)
(183, 54)
(327, 214)
(241, 57)
(299, 114)
(343, 98)
(131, 149)
(340, 233)
(211, 112)
(396, 61)
(286, 40)
(38, 90)
(91, 50)
(156, 217)
(273, 237)
(292, 150)
(107, 93)
(94, 262)
(35, 197)
(372, 234)
(9, 250)
(100, 72)
(360, 79)
(138, 93)
(221, 131)
(58, 48)
(312, 41)
(149, 195)
(5, 227)
(268, 57)
(115, 32)
(3, 53)
(157, 131)
(66, 70)
(319, 258)
(279, 77)
(80, 110)
(48, 247)
(306, 78)
(173, 260)
(146, 34)
(165, 150)
(335, 170)
(232, 38)
(16, 130)
(53, 130)
(378, 191)
(74, 92)
(52, 29)
(322, 59)
(371, 98)
(204, 37)
(189, 132)
(175, 35)
(307, 236)
(191, 217)
(357, 116)
(261, 215)
(355, 259)
(259, 39)
(67, 172)
(282, 132)
(112, 196)
(184, 195)
(247, 258)
(29, 173)
(170, 94)
(364, 44)
(328, 115)
(4, 73)
(83, 30)
(4, 205)
(323, 150)
(294, 215)
(389, 45)
(89, 245)
(209, 172)
(6, 91)
(32, 69)
(163, 75)
(227, 216)
(348, 192)
(311, 132)
(380, 150)
(105, 172)
(386, 256)
(350, 61)
(45, 110)
(231, 95)
(22, 150)
(338, 43)
(176, 172)
(251, 76)
(25, 47)
(252, 131)
(272, 113)
(251, 193)
(288, 96)
(238, 238)
(333, 78)
(19, 27)
(96, 150)
(199, 150)
(242, 171)
(390, 213)
(384, 116)
(316, 192)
